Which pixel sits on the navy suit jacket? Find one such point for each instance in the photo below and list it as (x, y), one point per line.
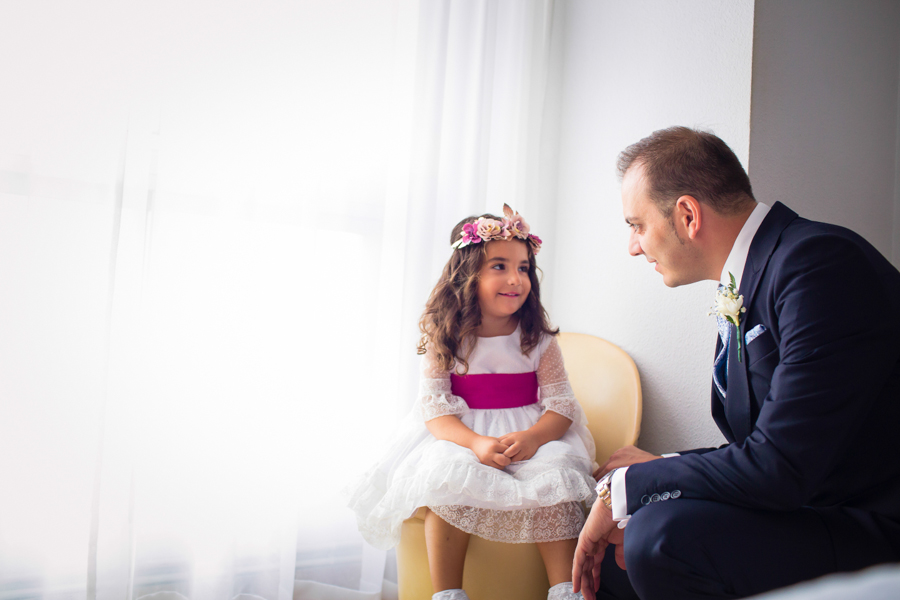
(812, 408)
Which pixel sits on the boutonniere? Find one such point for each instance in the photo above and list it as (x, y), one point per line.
(729, 306)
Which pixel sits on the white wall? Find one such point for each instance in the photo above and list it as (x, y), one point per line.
(824, 75)
(631, 68)
(825, 112)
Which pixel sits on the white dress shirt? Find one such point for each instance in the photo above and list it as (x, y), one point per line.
(737, 258)
(734, 265)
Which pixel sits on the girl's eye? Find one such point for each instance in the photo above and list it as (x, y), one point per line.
(523, 269)
(499, 267)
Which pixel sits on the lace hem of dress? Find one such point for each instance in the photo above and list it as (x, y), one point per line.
(381, 507)
(545, 524)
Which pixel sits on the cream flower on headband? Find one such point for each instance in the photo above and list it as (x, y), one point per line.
(489, 229)
(515, 224)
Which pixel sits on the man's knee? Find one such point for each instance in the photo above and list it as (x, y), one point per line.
(658, 533)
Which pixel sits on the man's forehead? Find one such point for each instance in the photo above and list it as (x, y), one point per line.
(634, 179)
(633, 201)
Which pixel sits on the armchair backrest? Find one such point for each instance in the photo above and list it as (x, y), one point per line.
(608, 387)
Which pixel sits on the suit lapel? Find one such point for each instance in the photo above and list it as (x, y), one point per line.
(761, 248)
(737, 405)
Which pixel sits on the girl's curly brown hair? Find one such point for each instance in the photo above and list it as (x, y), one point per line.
(452, 314)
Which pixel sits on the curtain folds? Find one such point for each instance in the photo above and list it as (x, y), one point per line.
(219, 224)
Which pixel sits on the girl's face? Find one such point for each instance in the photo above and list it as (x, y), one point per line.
(503, 282)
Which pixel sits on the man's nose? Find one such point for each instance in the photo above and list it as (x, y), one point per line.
(634, 246)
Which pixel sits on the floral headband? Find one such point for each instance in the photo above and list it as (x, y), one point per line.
(486, 230)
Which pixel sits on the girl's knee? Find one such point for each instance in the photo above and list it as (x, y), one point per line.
(552, 450)
(449, 452)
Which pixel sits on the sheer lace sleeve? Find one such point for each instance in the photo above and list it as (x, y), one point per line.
(435, 398)
(554, 389)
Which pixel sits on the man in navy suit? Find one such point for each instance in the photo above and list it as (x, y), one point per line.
(806, 389)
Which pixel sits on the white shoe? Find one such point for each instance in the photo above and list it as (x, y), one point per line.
(563, 591)
(450, 595)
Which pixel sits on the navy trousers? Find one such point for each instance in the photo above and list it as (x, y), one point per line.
(693, 549)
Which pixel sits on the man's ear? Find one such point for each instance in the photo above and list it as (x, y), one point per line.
(688, 215)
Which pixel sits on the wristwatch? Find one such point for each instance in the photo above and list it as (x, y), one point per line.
(604, 489)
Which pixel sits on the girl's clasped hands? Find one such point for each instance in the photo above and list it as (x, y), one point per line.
(501, 452)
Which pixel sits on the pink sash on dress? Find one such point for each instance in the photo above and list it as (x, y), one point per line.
(496, 390)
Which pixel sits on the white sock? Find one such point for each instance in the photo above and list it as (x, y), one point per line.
(450, 595)
(563, 591)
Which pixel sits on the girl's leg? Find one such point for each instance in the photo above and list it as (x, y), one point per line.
(558, 557)
(447, 553)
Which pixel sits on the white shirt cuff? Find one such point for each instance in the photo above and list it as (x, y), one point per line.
(619, 497)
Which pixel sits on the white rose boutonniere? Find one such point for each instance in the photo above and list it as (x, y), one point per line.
(729, 306)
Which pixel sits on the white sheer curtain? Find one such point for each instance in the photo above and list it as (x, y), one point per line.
(219, 222)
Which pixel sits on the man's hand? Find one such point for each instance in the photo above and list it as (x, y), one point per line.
(522, 444)
(624, 457)
(490, 451)
(599, 532)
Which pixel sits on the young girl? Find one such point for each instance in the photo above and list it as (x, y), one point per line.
(496, 445)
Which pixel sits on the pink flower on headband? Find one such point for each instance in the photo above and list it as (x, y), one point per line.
(470, 234)
(535, 242)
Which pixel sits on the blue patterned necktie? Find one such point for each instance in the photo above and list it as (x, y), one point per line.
(720, 367)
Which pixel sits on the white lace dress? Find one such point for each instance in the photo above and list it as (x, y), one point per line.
(537, 500)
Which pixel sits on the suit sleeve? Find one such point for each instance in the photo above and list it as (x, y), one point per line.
(835, 356)
(700, 450)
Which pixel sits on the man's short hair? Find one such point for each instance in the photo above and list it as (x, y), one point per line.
(680, 161)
